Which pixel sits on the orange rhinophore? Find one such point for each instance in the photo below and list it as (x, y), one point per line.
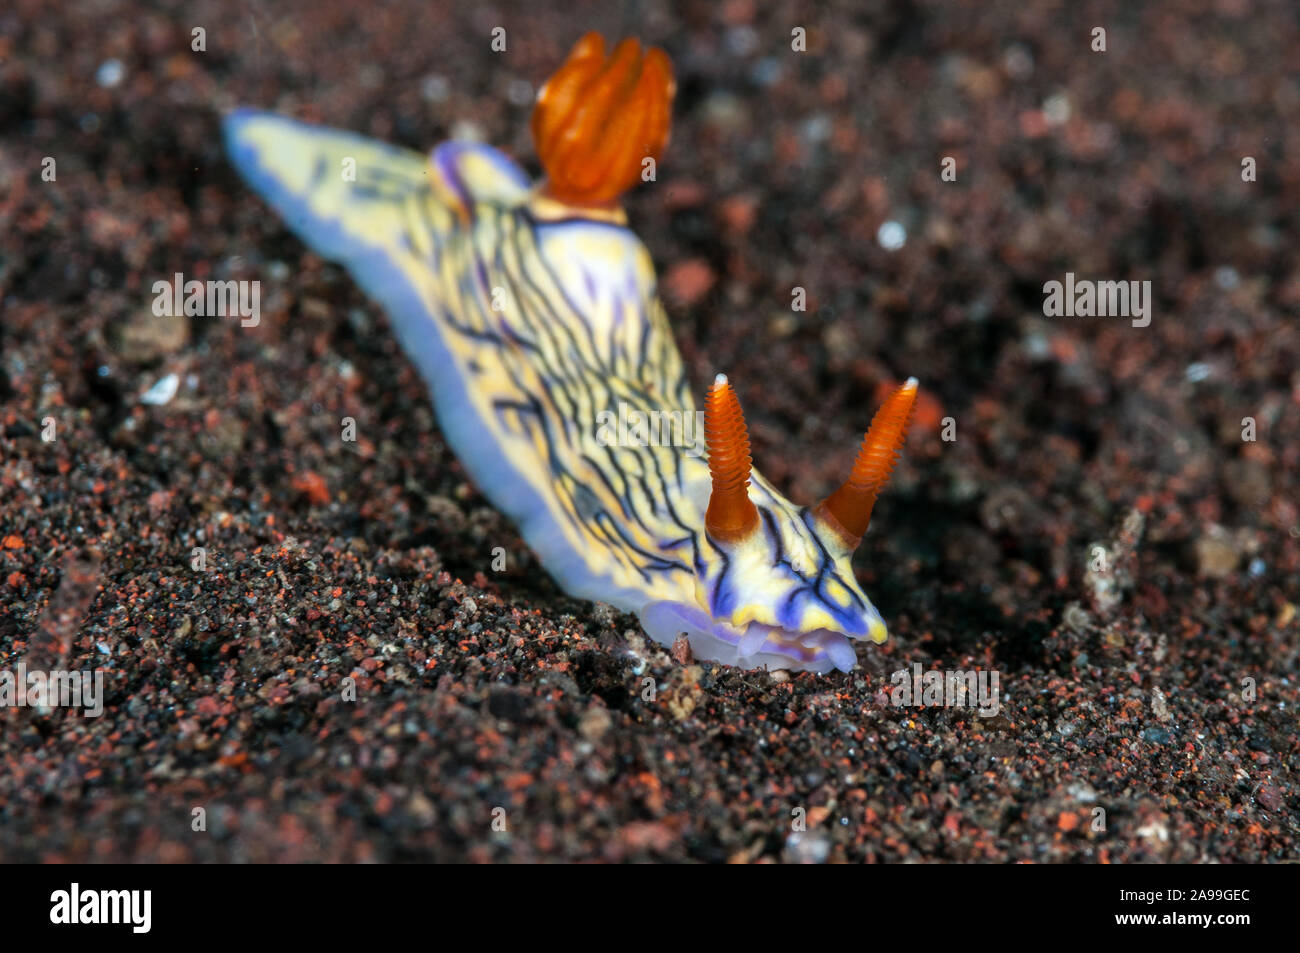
(849, 508)
(731, 514)
(599, 118)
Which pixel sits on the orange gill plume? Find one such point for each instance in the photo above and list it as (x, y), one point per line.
(731, 514)
(848, 509)
(599, 118)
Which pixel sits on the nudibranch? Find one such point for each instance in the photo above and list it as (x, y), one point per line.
(530, 310)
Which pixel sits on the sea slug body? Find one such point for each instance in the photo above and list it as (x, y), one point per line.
(530, 310)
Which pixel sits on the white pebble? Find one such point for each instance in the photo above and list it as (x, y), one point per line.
(162, 392)
(892, 236)
(110, 73)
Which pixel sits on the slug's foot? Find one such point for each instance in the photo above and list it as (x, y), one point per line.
(754, 646)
